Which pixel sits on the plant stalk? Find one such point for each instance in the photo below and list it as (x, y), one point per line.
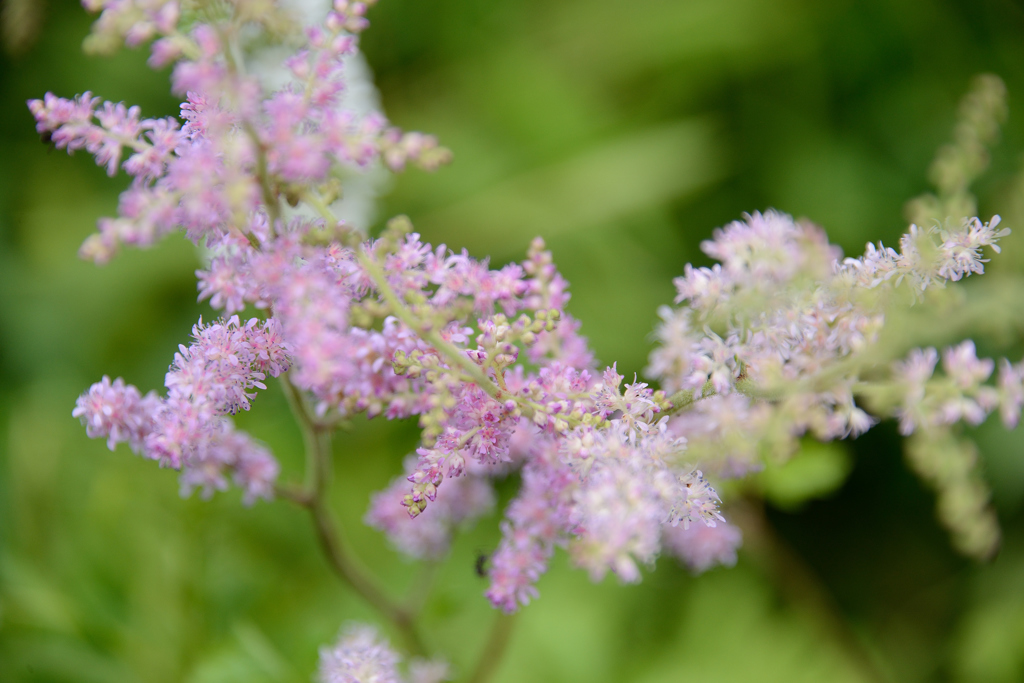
(314, 497)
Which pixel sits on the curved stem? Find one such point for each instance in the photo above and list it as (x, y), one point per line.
(494, 648)
(314, 497)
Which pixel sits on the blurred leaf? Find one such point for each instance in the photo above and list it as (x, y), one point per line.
(815, 471)
(20, 21)
(731, 631)
(990, 643)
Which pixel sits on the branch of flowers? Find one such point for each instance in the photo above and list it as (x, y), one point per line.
(686, 398)
(314, 498)
(454, 355)
(802, 587)
(494, 648)
(992, 308)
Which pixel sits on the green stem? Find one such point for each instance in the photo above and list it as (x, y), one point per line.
(421, 588)
(315, 499)
(682, 400)
(263, 175)
(494, 649)
(320, 206)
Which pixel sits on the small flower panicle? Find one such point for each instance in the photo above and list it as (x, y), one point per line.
(361, 655)
(959, 395)
(118, 412)
(928, 257)
(605, 493)
(105, 129)
(209, 379)
(242, 141)
(536, 521)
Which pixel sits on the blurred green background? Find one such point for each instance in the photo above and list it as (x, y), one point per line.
(622, 132)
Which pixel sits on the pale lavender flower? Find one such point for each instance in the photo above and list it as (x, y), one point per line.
(701, 547)
(537, 521)
(961, 363)
(70, 125)
(429, 671)
(361, 655)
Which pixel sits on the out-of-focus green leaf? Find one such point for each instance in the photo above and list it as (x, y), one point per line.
(815, 471)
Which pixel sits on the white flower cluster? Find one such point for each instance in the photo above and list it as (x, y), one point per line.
(783, 338)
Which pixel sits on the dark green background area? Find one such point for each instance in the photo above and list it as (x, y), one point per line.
(621, 132)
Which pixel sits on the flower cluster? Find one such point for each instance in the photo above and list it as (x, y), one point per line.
(490, 400)
(487, 359)
(239, 145)
(784, 338)
(213, 377)
(362, 656)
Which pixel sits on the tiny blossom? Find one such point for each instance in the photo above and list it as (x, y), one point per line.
(362, 655)
(962, 364)
(432, 671)
(636, 406)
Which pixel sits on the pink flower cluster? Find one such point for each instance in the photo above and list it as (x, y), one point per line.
(239, 145)
(487, 359)
(213, 377)
(429, 534)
